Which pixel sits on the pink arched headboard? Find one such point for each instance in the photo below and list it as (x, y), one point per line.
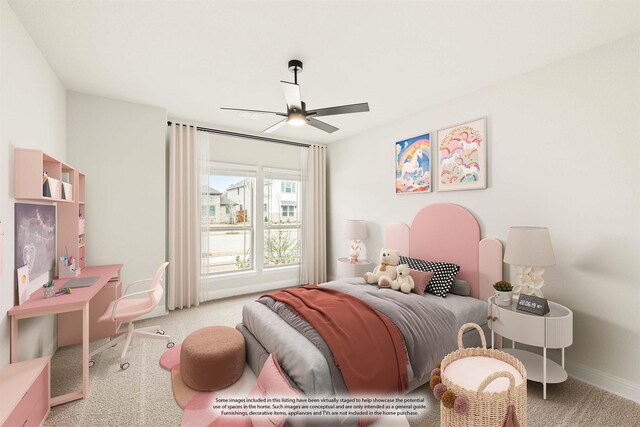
(450, 233)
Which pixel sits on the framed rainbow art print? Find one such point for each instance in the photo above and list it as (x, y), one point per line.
(413, 165)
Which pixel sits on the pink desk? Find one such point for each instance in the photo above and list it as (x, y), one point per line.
(79, 300)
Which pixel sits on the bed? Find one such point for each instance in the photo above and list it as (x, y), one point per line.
(440, 232)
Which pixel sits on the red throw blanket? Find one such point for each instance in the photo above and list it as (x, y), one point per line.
(367, 347)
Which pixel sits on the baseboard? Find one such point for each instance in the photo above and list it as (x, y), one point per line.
(616, 385)
(250, 289)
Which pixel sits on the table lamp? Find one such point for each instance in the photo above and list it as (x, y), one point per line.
(355, 231)
(529, 250)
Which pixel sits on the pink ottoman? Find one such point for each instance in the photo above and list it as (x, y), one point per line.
(212, 358)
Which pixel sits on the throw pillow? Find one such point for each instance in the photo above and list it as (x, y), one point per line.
(444, 274)
(421, 280)
(461, 287)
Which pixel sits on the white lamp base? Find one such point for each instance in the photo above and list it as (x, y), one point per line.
(529, 280)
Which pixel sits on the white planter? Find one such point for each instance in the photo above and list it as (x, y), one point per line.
(503, 299)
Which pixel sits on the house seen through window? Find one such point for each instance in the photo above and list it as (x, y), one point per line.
(281, 222)
(288, 186)
(230, 236)
(227, 237)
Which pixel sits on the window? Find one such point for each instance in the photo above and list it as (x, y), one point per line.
(208, 211)
(288, 186)
(252, 246)
(281, 222)
(231, 240)
(228, 239)
(288, 211)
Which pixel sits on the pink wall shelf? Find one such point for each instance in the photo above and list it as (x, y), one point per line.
(29, 168)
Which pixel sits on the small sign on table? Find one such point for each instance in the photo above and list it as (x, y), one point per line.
(532, 304)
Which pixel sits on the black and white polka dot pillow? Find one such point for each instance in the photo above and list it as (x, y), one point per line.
(444, 274)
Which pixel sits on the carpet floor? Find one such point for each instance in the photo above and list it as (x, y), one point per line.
(141, 395)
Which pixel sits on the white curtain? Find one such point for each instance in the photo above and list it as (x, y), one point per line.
(184, 289)
(313, 268)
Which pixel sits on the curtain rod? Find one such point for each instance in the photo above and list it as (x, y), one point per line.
(242, 135)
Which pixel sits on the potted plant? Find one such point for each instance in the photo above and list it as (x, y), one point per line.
(503, 293)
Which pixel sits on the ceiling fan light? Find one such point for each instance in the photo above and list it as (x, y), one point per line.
(297, 119)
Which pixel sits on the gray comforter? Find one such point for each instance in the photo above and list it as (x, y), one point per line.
(429, 330)
(309, 332)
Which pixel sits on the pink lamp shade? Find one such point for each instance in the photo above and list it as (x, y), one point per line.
(355, 230)
(530, 246)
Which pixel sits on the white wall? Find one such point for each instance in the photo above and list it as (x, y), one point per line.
(563, 152)
(121, 147)
(32, 116)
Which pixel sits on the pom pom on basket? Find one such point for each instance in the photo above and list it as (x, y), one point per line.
(435, 371)
(439, 390)
(448, 399)
(434, 381)
(461, 405)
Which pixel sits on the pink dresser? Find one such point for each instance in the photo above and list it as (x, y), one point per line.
(27, 403)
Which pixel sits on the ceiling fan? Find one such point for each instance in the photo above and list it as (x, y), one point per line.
(297, 114)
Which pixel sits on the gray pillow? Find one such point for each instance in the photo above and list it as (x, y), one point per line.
(460, 287)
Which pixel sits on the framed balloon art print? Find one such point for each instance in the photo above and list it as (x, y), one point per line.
(462, 156)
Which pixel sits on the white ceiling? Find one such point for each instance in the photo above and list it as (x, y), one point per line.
(193, 57)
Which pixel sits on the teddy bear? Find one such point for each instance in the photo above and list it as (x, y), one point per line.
(385, 272)
(404, 281)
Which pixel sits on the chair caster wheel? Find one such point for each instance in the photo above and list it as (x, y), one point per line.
(160, 332)
(92, 363)
(124, 365)
(170, 344)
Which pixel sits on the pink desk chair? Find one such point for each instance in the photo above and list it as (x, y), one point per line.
(127, 309)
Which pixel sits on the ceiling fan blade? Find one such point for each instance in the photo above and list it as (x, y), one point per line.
(342, 109)
(321, 125)
(292, 95)
(275, 127)
(254, 111)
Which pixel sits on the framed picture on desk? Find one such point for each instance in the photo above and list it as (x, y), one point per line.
(23, 283)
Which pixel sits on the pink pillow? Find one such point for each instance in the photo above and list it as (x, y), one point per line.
(273, 383)
(421, 279)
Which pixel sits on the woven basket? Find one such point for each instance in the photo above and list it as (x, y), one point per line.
(485, 408)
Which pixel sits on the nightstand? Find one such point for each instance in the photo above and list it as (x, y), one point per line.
(553, 330)
(346, 269)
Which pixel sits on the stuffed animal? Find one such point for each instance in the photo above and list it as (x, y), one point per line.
(385, 272)
(355, 251)
(404, 281)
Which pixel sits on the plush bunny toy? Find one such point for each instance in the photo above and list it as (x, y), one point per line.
(404, 282)
(385, 272)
